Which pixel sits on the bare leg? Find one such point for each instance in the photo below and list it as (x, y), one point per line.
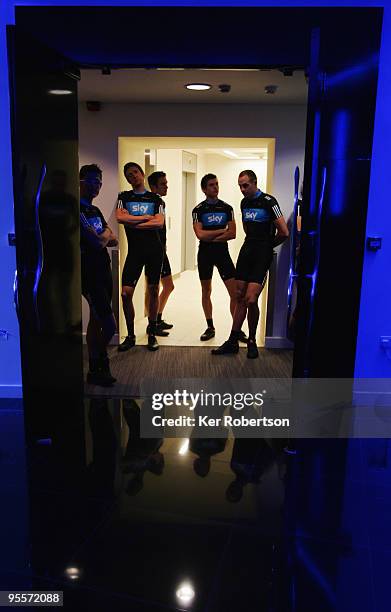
(206, 286)
(127, 303)
(252, 294)
(167, 289)
(94, 337)
(241, 306)
(153, 291)
(230, 283)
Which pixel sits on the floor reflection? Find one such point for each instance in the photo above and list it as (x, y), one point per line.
(211, 524)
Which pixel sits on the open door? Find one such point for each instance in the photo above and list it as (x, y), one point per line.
(43, 89)
(340, 121)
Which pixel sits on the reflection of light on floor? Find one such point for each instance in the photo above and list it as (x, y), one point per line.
(184, 310)
(73, 573)
(184, 447)
(185, 593)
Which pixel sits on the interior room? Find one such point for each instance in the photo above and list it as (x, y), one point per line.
(204, 131)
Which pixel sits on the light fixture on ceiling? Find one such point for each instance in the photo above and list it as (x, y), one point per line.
(60, 92)
(271, 89)
(198, 86)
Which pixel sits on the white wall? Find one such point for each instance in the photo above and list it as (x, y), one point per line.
(98, 132)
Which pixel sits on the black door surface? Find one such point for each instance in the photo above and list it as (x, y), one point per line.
(43, 89)
(341, 109)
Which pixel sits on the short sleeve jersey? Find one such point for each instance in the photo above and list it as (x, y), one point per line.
(213, 215)
(139, 204)
(258, 216)
(92, 216)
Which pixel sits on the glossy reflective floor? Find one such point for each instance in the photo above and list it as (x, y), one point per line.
(120, 523)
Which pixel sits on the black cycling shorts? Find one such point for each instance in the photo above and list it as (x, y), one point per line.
(151, 256)
(166, 269)
(254, 261)
(97, 288)
(210, 255)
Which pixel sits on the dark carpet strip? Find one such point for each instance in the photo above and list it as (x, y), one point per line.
(187, 362)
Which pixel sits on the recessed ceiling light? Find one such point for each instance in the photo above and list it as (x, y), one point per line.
(60, 92)
(198, 86)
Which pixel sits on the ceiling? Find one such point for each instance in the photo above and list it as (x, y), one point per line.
(154, 86)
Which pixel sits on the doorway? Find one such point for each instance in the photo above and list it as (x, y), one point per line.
(185, 160)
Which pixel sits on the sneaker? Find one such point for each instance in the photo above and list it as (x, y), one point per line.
(230, 346)
(208, 334)
(163, 325)
(152, 343)
(159, 331)
(99, 378)
(128, 343)
(242, 337)
(252, 350)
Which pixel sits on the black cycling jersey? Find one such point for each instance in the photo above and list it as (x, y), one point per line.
(90, 215)
(138, 204)
(213, 215)
(258, 214)
(96, 277)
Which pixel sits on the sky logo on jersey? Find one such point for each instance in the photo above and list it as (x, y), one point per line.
(96, 223)
(255, 214)
(140, 208)
(216, 218)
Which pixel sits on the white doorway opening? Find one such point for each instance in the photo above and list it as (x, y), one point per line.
(185, 161)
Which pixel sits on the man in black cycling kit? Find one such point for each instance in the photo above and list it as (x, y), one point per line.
(265, 228)
(158, 184)
(141, 213)
(214, 225)
(97, 282)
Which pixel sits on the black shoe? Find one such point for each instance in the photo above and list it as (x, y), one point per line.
(159, 331)
(128, 343)
(152, 343)
(105, 368)
(242, 337)
(252, 349)
(99, 378)
(163, 325)
(208, 334)
(230, 346)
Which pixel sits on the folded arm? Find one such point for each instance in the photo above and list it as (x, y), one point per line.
(154, 222)
(126, 219)
(229, 233)
(206, 235)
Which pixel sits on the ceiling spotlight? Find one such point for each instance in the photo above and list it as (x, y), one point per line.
(271, 89)
(60, 92)
(198, 86)
(106, 70)
(225, 88)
